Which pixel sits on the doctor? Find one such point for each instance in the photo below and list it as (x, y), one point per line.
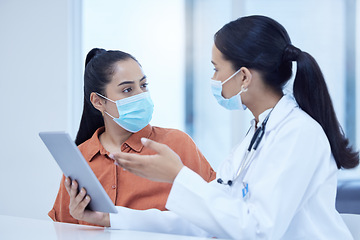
(280, 182)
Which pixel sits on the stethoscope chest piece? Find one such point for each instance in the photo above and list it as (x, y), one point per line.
(219, 180)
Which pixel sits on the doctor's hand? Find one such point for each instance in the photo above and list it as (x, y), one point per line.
(161, 167)
(78, 203)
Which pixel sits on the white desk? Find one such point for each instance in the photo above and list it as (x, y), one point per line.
(15, 228)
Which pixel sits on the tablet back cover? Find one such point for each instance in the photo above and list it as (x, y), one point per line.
(73, 165)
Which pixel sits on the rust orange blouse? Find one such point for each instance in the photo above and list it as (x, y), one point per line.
(124, 188)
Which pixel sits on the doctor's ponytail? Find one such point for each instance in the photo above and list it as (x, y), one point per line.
(261, 43)
(312, 95)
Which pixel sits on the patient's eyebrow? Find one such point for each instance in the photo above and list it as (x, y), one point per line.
(143, 78)
(131, 82)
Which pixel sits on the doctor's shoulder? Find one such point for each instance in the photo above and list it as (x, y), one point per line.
(299, 123)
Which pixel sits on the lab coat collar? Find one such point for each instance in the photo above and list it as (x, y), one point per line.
(262, 117)
(285, 105)
(282, 109)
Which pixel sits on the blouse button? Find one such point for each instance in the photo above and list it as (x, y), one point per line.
(124, 147)
(113, 186)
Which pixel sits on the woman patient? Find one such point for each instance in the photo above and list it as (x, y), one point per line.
(116, 115)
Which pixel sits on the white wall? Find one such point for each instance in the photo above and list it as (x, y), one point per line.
(34, 82)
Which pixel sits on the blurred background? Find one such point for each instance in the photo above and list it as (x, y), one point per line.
(43, 48)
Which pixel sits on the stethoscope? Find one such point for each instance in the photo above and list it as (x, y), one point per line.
(247, 160)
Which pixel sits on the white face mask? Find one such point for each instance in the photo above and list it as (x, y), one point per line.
(233, 103)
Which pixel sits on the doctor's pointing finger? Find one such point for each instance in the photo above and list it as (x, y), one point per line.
(162, 167)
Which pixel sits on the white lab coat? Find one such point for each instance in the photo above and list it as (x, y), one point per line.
(292, 187)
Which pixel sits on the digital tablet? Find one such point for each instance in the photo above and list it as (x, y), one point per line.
(73, 165)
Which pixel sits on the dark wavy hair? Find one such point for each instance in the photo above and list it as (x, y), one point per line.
(99, 68)
(261, 43)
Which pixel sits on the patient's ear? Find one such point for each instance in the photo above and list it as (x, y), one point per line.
(97, 101)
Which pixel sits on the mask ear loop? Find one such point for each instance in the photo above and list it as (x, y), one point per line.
(231, 77)
(105, 97)
(109, 115)
(102, 113)
(243, 89)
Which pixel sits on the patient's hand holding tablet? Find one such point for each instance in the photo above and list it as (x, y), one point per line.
(79, 200)
(74, 166)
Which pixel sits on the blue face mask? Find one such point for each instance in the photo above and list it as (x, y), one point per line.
(135, 112)
(233, 103)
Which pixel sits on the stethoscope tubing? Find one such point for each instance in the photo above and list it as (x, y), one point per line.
(248, 157)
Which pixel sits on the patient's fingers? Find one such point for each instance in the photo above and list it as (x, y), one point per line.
(157, 147)
(82, 205)
(73, 189)
(67, 184)
(122, 155)
(80, 196)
